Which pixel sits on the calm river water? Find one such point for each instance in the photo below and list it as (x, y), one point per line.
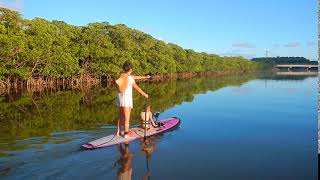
(236, 127)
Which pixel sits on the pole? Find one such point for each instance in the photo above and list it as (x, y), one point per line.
(267, 54)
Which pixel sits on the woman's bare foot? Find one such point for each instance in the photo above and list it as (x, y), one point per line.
(118, 128)
(129, 134)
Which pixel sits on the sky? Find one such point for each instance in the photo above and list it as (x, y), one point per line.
(245, 28)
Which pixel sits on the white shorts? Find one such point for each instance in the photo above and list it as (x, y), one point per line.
(123, 101)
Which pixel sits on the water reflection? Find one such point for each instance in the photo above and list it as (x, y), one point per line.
(39, 115)
(276, 129)
(147, 146)
(125, 162)
(24, 115)
(285, 75)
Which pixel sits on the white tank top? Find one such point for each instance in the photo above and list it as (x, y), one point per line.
(125, 98)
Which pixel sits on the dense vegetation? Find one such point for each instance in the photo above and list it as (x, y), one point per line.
(51, 50)
(284, 60)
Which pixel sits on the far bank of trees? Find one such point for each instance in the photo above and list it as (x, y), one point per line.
(284, 60)
(56, 51)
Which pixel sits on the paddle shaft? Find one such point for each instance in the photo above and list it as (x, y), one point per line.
(145, 121)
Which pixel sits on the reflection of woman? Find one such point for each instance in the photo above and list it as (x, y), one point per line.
(126, 158)
(125, 161)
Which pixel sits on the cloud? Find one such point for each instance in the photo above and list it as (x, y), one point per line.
(237, 53)
(16, 5)
(243, 45)
(162, 39)
(146, 29)
(292, 45)
(276, 45)
(233, 54)
(310, 44)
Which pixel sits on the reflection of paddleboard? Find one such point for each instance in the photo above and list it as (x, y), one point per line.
(137, 134)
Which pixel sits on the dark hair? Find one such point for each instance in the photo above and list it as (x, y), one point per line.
(126, 66)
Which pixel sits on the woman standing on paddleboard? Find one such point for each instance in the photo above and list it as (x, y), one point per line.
(124, 97)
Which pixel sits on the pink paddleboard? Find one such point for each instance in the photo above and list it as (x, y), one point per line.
(110, 140)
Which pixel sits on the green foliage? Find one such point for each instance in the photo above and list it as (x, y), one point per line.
(55, 49)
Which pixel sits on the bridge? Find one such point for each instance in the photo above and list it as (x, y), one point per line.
(296, 66)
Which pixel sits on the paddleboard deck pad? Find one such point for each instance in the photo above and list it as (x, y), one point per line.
(137, 133)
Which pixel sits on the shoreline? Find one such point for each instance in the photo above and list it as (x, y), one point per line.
(87, 82)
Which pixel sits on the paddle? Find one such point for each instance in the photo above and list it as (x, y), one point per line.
(145, 120)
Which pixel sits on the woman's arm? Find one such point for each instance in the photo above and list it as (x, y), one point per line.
(141, 77)
(136, 87)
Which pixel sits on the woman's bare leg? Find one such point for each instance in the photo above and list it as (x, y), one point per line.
(118, 127)
(127, 111)
(120, 121)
